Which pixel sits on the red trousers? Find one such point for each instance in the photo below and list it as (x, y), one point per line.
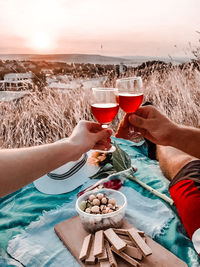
(185, 192)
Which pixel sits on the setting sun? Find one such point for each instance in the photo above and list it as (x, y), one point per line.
(41, 41)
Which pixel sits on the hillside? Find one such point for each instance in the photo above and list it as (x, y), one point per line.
(91, 58)
(68, 58)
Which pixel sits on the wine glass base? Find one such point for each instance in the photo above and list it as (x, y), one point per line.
(111, 150)
(136, 137)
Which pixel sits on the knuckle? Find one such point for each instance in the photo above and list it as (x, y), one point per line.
(138, 121)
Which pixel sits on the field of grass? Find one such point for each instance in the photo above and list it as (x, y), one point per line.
(47, 116)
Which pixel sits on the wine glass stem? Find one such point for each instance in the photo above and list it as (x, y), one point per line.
(104, 126)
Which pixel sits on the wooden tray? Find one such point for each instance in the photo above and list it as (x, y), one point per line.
(72, 233)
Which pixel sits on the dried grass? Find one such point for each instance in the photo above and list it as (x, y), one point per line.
(48, 116)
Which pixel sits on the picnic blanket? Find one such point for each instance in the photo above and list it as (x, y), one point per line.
(37, 244)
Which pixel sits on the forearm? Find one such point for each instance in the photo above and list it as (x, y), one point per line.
(22, 166)
(186, 139)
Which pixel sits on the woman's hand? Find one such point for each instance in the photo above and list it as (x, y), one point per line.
(90, 135)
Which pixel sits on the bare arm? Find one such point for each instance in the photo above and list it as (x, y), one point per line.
(186, 139)
(19, 167)
(157, 128)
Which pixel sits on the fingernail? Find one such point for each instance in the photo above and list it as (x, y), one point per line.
(109, 132)
(131, 117)
(122, 124)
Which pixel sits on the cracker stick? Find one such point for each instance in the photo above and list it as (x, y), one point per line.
(111, 257)
(124, 237)
(105, 264)
(98, 243)
(125, 232)
(104, 256)
(113, 238)
(91, 258)
(129, 242)
(133, 252)
(121, 231)
(126, 257)
(139, 242)
(85, 247)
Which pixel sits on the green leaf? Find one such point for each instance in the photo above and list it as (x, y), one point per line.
(121, 160)
(103, 172)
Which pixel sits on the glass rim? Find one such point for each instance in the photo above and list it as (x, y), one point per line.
(105, 89)
(130, 78)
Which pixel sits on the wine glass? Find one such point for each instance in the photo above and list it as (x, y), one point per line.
(130, 98)
(104, 107)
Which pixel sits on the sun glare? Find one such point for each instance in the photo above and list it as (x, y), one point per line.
(41, 41)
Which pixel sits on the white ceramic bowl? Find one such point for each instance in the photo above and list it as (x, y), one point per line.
(95, 222)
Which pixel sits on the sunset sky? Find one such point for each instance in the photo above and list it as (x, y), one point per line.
(108, 27)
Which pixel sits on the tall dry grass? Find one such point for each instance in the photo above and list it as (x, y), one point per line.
(48, 116)
(177, 95)
(41, 117)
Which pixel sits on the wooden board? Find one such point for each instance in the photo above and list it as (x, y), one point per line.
(72, 233)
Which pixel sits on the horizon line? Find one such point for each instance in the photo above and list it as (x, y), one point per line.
(87, 54)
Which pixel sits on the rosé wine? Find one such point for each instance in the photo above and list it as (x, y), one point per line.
(104, 112)
(130, 102)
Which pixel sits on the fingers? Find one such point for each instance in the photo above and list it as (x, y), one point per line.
(145, 111)
(118, 135)
(109, 132)
(95, 131)
(138, 121)
(124, 123)
(93, 127)
(123, 128)
(103, 144)
(122, 133)
(103, 134)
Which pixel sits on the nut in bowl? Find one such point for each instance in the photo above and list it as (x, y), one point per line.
(101, 209)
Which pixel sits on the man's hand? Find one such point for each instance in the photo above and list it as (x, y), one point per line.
(90, 135)
(152, 124)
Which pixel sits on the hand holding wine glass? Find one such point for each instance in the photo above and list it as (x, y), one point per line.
(104, 107)
(89, 135)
